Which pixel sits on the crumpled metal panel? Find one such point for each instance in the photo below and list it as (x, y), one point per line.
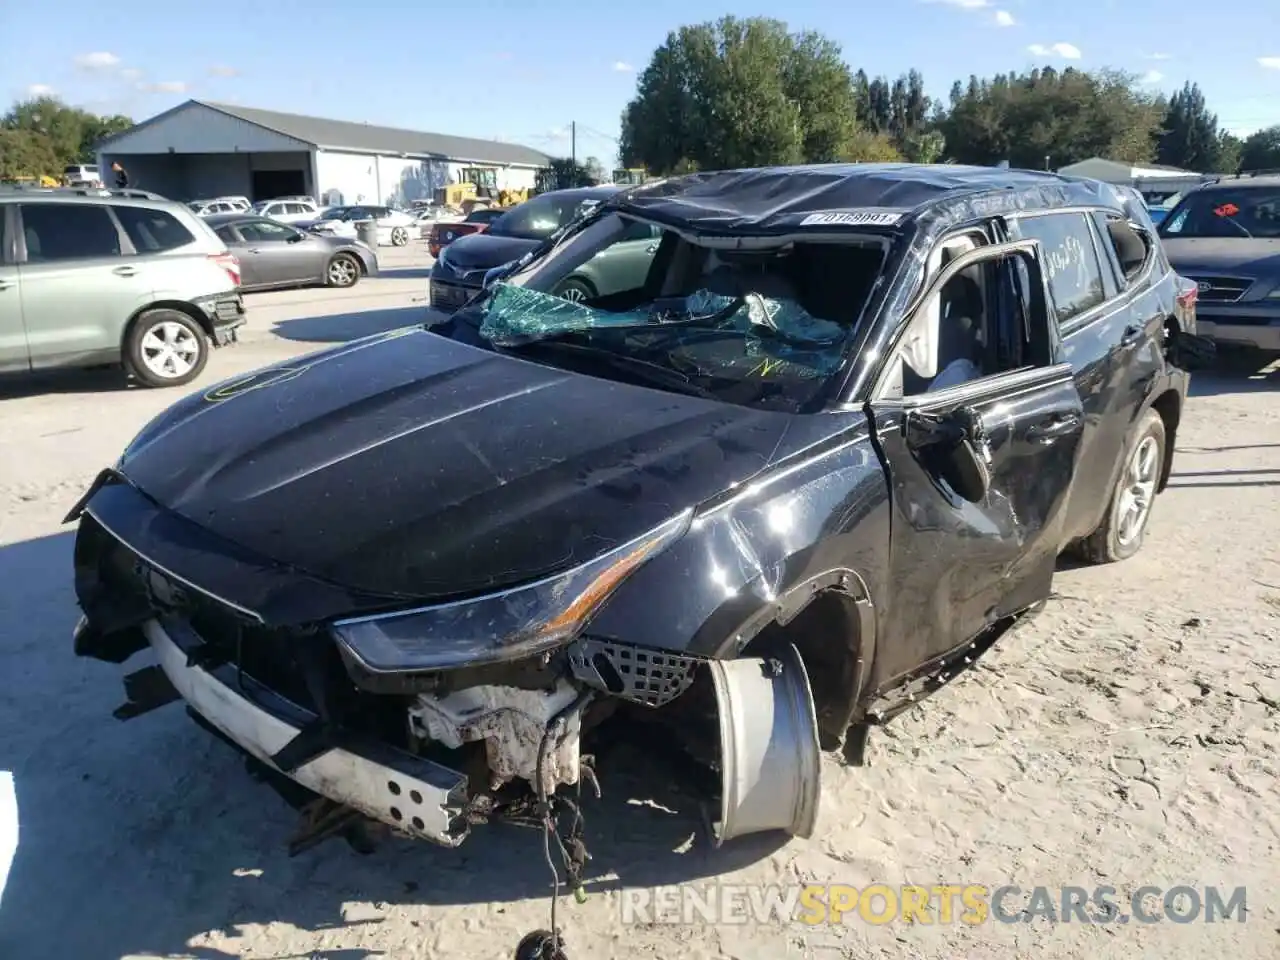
(912, 204)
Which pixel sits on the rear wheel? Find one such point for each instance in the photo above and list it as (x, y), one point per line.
(399, 236)
(166, 348)
(1124, 528)
(343, 271)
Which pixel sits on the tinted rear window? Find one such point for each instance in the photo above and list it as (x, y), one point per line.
(153, 231)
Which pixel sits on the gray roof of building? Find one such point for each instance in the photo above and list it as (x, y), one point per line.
(367, 138)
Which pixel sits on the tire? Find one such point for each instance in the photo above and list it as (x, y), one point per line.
(1118, 538)
(575, 291)
(399, 236)
(166, 348)
(343, 271)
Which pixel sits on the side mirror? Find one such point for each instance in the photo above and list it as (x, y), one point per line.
(955, 448)
(295, 238)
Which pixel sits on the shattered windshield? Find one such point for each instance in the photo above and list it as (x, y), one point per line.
(764, 328)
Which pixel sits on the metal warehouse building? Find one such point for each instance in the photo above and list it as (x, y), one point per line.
(201, 149)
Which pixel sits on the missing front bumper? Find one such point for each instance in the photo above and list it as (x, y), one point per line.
(412, 795)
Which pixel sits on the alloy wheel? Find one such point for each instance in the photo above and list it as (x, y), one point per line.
(170, 350)
(1139, 490)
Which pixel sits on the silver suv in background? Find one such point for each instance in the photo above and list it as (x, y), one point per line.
(98, 277)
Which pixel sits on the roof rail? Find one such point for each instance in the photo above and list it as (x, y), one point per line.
(81, 191)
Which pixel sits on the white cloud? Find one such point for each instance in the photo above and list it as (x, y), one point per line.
(622, 66)
(1152, 76)
(1004, 18)
(41, 90)
(1066, 51)
(220, 70)
(1158, 56)
(557, 133)
(1270, 63)
(164, 86)
(97, 61)
(131, 73)
(964, 4)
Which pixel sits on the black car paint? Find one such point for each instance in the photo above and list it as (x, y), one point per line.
(789, 507)
(458, 274)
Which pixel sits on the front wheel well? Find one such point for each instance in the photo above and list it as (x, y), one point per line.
(832, 633)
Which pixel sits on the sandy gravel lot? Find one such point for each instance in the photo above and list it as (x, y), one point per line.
(1129, 736)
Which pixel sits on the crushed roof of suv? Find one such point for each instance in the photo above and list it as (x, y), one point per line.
(855, 194)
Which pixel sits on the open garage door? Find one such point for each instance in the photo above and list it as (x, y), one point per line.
(268, 184)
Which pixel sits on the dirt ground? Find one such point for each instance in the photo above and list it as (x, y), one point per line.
(1128, 736)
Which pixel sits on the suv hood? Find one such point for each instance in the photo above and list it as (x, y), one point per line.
(411, 465)
(478, 251)
(1250, 258)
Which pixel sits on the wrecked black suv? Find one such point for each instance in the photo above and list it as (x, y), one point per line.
(819, 459)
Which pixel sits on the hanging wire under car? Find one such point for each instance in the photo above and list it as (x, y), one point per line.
(547, 944)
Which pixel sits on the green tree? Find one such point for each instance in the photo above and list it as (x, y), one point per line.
(595, 170)
(739, 93)
(50, 135)
(24, 154)
(1230, 148)
(1052, 117)
(867, 147)
(562, 174)
(1261, 150)
(1190, 138)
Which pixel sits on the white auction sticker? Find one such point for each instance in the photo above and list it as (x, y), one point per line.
(852, 218)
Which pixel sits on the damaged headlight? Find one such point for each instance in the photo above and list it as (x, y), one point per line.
(509, 625)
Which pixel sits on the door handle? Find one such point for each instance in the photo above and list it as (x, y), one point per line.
(5, 284)
(125, 271)
(1055, 429)
(254, 250)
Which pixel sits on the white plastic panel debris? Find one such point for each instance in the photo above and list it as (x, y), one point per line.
(8, 826)
(511, 722)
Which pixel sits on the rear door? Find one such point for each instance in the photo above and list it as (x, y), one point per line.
(1111, 329)
(14, 355)
(81, 280)
(958, 564)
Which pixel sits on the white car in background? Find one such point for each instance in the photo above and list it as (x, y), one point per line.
(424, 218)
(206, 208)
(394, 226)
(288, 209)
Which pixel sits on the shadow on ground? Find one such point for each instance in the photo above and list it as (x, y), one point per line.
(92, 380)
(138, 837)
(1237, 370)
(341, 327)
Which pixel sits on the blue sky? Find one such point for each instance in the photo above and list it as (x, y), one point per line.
(528, 69)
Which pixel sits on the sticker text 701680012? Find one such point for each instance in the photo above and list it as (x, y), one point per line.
(853, 218)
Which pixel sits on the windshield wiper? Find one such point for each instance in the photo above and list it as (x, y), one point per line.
(650, 373)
